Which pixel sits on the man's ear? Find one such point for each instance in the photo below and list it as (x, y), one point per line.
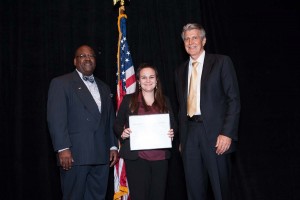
(203, 41)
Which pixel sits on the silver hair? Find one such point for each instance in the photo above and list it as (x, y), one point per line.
(192, 26)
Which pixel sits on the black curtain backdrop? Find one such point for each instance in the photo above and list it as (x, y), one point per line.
(37, 43)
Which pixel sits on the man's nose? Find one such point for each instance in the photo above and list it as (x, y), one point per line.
(87, 57)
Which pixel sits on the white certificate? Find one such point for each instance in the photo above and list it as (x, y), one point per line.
(149, 131)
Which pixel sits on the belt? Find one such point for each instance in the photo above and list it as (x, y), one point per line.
(195, 118)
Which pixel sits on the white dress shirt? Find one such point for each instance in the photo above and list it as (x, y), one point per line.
(93, 88)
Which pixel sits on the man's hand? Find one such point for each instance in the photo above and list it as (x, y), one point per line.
(113, 157)
(223, 144)
(65, 159)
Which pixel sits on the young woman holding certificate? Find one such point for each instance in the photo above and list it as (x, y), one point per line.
(146, 170)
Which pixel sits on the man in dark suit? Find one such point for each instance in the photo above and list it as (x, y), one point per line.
(80, 117)
(209, 108)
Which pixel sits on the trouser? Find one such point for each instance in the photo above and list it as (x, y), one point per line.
(84, 182)
(201, 164)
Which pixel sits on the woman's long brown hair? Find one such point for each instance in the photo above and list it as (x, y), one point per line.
(159, 99)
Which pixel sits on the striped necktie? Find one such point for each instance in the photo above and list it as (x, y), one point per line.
(192, 97)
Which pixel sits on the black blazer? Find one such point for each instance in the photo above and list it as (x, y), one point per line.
(122, 120)
(220, 101)
(75, 122)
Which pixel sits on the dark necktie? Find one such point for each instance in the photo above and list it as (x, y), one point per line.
(89, 78)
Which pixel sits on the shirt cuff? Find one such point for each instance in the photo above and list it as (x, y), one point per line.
(62, 150)
(114, 148)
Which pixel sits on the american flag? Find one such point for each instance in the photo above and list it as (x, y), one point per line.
(125, 76)
(125, 85)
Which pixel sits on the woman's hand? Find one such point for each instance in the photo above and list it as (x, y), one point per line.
(171, 134)
(126, 133)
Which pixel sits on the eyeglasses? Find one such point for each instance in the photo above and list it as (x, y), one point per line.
(84, 56)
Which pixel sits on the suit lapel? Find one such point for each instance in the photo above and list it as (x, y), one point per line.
(102, 95)
(185, 80)
(207, 66)
(85, 96)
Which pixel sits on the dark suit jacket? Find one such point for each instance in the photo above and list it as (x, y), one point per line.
(123, 120)
(75, 122)
(220, 101)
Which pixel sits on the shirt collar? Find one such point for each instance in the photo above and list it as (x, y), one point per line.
(81, 75)
(200, 59)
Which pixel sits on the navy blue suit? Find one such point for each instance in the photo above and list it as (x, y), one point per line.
(220, 109)
(75, 122)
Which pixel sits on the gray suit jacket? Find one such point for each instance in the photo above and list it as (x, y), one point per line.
(75, 122)
(220, 101)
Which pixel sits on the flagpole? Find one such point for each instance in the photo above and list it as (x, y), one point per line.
(121, 4)
(121, 12)
(120, 180)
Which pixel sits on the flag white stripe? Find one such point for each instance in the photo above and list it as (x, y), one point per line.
(130, 72)
(131, 88)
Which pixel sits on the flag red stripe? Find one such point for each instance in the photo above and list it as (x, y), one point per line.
(130, 80)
